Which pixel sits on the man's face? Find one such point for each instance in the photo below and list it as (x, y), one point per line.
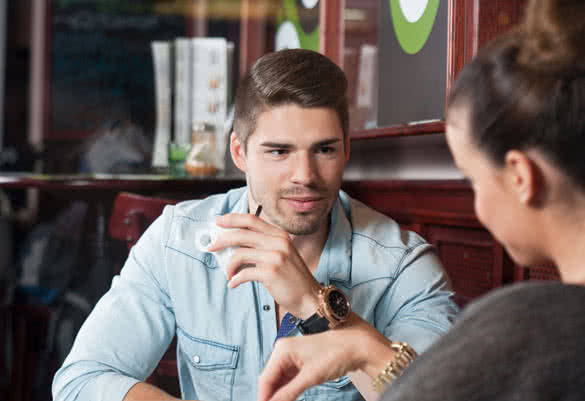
(294, 166)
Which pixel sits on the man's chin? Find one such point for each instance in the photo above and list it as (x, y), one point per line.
(300, 231)
(296, 223)
(303, 225)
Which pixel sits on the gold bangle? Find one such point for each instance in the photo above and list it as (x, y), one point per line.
(404, 355)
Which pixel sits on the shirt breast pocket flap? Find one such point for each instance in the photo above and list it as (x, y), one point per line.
(208, 355)
(338, 383)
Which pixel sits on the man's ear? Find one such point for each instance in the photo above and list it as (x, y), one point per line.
(524, 177)
(238, 152)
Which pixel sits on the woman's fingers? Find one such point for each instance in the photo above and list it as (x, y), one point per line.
(279, 370)
(293, 367)
(291, 390)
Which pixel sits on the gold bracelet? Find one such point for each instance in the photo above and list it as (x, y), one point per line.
(404, 355)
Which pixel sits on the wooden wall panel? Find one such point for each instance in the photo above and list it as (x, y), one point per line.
(442, 212)
(470, 258)
(331, 29)
(494, 17)
(409, 202)
(460, 40)
(472, 24)
(252, 33)
(539, 273)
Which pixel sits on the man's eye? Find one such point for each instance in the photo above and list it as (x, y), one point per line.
(277, 152)
(327, 149)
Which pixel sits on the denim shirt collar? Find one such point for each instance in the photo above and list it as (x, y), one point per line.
(242, 206)
(234, 201)
(335, 261)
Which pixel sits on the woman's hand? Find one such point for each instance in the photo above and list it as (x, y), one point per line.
(298, 363)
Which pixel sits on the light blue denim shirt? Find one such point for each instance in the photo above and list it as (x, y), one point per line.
(225, 336)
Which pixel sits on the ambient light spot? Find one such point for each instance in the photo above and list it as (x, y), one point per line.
(413, 22)
(287, 37)
(413, 9)
(310, 3)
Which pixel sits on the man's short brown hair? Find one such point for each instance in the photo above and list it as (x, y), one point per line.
(293, 76)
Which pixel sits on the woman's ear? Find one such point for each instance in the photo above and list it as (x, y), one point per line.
(524, 177)
(238, 152)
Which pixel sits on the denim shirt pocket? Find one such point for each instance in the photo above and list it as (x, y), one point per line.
(338, 389)
(211, 365)
(337, 383)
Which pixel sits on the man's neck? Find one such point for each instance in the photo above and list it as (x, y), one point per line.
(310, 247)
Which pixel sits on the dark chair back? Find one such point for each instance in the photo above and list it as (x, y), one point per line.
(131, 216)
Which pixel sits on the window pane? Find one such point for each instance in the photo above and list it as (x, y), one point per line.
(360, 61)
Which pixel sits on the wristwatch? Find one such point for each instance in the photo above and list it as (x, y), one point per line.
(334, 308)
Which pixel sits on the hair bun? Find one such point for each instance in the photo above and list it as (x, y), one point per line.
(554, 34)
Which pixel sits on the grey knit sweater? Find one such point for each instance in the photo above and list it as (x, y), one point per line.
(523, 342)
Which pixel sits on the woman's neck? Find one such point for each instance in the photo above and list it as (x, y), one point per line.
(566, 237)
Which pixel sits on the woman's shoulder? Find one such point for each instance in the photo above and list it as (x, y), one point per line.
(510, 344)
(530, 298)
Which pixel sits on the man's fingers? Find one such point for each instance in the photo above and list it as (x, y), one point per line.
(245, 257)
(247, 239)
(237, 272)
(267, 263)
(250, 222)
(245, 275)
(227, 239)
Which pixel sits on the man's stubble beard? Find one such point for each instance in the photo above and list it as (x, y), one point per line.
(301, 224)
(298, 225)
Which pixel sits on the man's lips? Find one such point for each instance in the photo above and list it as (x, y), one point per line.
(303, 198)
(302, 203)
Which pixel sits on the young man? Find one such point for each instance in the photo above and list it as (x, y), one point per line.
(291, 140)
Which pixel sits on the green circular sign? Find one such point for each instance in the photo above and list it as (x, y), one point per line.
(290, 13)
(412, 36)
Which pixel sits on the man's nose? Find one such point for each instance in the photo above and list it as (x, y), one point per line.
(304, 169)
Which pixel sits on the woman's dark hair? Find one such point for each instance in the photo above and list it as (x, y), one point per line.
(526, 89)
(296, 76)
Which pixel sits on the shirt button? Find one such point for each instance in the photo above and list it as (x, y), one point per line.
(266, 307)
(196, 359)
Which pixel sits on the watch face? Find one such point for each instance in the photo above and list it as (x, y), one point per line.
(338, 304)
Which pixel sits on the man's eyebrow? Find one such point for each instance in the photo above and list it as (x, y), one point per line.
(279, 145)
(327, 142)
(276, 145)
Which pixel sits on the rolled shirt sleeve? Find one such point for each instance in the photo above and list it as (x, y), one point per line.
(129, 329)
(419, 306)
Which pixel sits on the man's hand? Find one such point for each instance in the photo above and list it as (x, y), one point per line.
(278, 265)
